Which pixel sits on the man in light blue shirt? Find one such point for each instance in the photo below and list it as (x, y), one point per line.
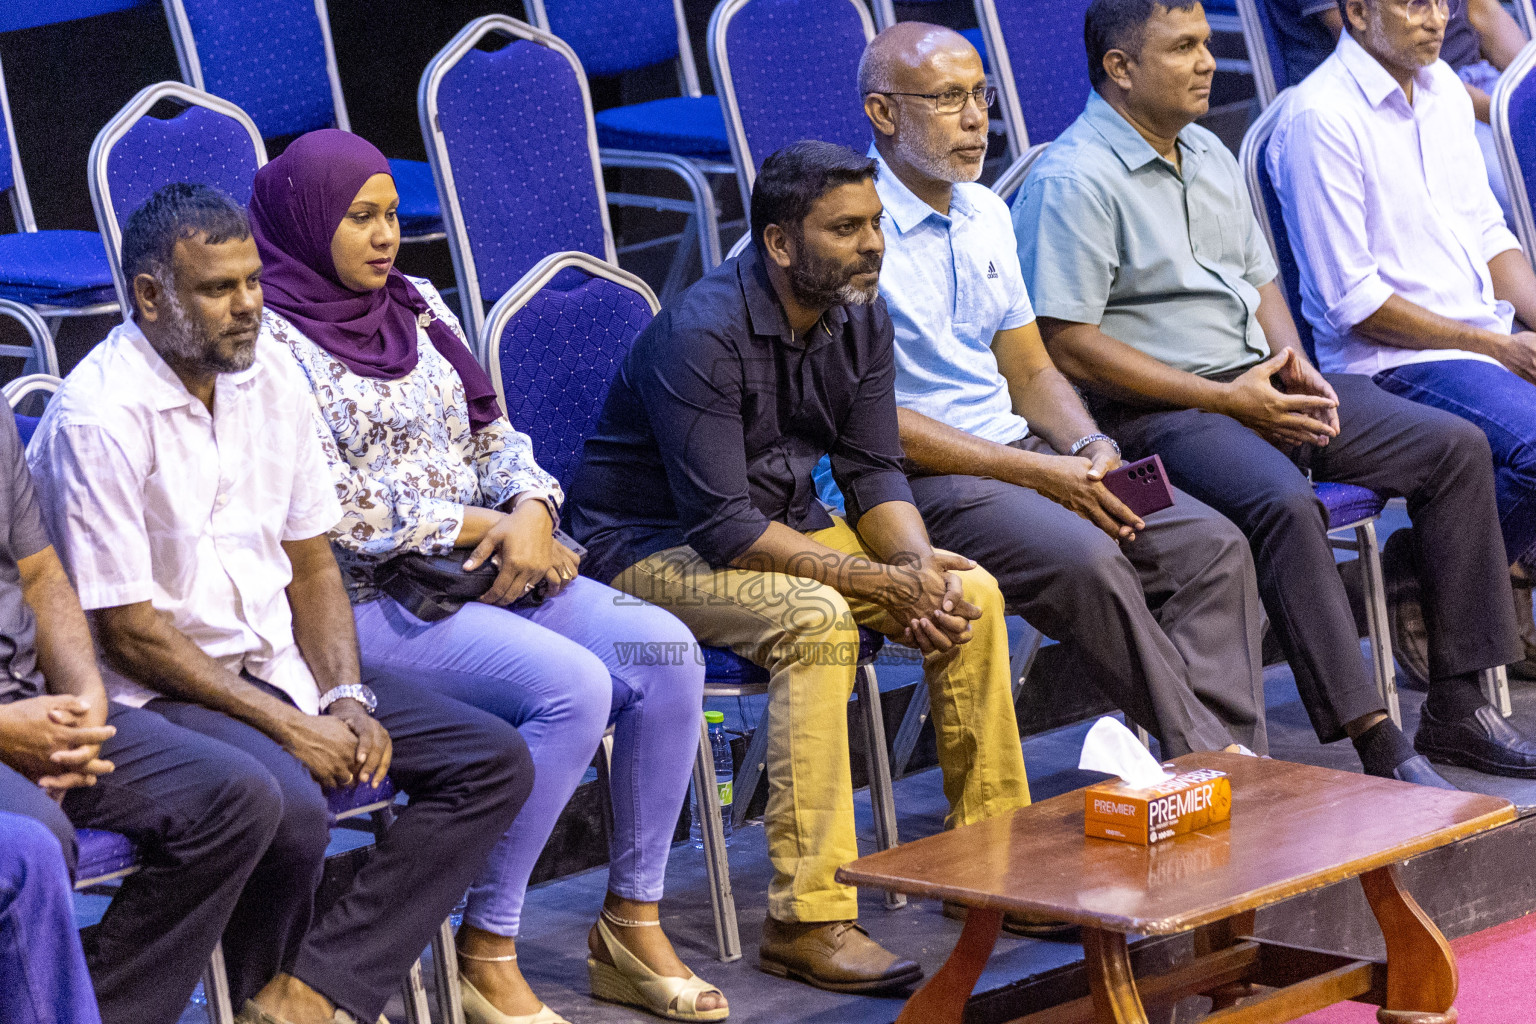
(1024, 495)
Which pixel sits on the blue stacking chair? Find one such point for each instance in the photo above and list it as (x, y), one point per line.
(1348, 507)
(55, 274)
(885, 17)
(1269, 76)
(208, 141)
(552, 345)
(684, 135)
(275, 60)
(1514, 133)
(753, 42)
(514, 150)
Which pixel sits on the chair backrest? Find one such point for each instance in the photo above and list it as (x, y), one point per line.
(614, 36)
(787, 70)
(11, 178)
(1014, 174)
(1264, 54)
(514, 151)
(1271, 217)
(1514, 134)
(209, 141)
(1525, 13)
(272, 58)
(552, 351)
(1041, 67)
(18, 391)
(41, 356)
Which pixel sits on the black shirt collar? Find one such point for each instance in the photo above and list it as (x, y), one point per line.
(765, 313)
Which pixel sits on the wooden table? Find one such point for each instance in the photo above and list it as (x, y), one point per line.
(1294, 828)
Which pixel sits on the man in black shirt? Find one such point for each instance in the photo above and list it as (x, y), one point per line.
(695, 493)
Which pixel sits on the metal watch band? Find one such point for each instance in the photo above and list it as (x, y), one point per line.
(1084, 442)
(356, 691)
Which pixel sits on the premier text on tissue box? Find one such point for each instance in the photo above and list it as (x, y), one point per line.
(1182, 803)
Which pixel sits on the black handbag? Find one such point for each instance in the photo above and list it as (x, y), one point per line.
(433, 587)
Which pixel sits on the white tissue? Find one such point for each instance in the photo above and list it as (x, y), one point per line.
(1110, 747)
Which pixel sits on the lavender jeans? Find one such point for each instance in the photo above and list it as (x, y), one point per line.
(561, 672)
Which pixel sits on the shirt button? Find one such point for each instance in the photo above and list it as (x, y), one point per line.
(220, 502)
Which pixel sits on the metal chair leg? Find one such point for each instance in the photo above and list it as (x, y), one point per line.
(716, 861)
(918, 709)
(445, 975)
(1369, 552)
(1496, 688)
(216, 988)
(1142, 736)
(1023, 657)
(882, 798)
(752, 767)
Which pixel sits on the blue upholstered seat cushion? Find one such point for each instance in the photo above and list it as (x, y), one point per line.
(1348, 504)
(55, 268)
(420, 213)
(102, 853)
(683, 125)
(726, 668)
(350, 798)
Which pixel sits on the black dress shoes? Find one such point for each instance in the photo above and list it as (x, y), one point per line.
(1418, 771)
(1482, 740)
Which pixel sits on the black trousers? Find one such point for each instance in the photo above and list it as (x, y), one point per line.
(234, 832)
(1439, 462)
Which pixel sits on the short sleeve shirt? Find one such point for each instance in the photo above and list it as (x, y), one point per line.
(150, 497)
(22, 536)
(1167, 260)
(950, 284)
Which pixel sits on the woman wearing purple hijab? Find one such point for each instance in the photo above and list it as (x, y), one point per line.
(426, 462)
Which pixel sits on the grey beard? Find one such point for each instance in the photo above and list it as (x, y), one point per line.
(183, 343)
(936, 165)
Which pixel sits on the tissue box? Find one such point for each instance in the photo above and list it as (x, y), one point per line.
(1188, 801)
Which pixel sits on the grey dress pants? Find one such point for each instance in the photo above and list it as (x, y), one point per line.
(1169, 624)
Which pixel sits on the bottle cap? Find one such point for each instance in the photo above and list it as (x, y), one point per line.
(714, 717)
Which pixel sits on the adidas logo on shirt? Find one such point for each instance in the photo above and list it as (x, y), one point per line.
(991, 271)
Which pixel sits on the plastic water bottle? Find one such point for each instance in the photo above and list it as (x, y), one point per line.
(724, 781)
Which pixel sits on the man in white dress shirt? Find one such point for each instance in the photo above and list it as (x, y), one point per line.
(184, 487)
(1408, 273)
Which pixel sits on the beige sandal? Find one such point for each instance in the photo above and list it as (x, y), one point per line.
(630, 982)
(480, 1010)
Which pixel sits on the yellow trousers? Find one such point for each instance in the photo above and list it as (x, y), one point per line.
(806, 635)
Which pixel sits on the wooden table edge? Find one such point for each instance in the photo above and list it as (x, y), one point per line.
(1255, 900)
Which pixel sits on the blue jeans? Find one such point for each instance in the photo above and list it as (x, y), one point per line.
(1503, 406)
(42, 970)
(560, 672)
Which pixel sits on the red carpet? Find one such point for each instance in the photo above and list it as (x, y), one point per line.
(1498, 980)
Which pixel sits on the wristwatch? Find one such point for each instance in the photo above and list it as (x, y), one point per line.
(1084, 442)
(357, 691)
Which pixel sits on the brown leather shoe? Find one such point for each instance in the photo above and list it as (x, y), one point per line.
(835, 955)
(1025, 926)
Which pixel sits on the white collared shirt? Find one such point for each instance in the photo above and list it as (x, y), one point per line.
(149, 497)
(950, 284)
(1385, 198)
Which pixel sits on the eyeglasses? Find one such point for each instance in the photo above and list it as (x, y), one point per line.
(952, 101)
(1417, 11)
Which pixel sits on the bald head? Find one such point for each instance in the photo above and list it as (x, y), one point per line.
(896, 59)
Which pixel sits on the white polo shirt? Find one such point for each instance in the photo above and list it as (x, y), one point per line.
(1382, 197)
(149, 497)
(950, 284)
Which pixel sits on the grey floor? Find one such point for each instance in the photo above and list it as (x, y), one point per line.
(552, 948)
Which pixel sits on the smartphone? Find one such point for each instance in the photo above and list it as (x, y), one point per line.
(1142, 485)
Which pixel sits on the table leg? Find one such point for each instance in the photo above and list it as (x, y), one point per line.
(942, 998)
(1108, 962)
(1421, 969)
(1213, 938)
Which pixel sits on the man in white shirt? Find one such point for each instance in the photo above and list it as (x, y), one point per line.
(1026, 496)
(1408, 273)
(185, 489)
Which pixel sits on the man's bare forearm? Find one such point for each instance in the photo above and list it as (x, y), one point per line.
(141, 642)
(783, 549)
(941, 449)
(1113, 368)
(323, 626)
(1405, 324)
(1054, 410)
(65, 653)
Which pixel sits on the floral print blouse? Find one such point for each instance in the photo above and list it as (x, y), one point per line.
(402, 454)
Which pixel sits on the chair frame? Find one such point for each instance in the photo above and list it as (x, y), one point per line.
(192, 72)
(21, 210)
(41, 356)
(703, 213)
(1509, 161)
(114, 130)
(1252, 23)
(1012, 179)
(725, 87)
(470, 298)
(18, 390)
